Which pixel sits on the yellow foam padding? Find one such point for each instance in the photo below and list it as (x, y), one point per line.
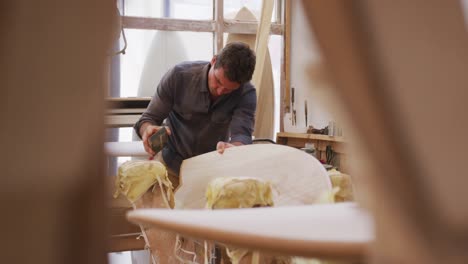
(238, 192)
(135, 177)
(344, 184)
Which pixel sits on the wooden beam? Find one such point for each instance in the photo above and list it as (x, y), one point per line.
(219, 25)
(168, 24)
(238, 27)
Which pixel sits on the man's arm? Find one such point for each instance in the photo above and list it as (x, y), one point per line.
(157, 110)
(146, 131)
(221, 146)
(242, 123)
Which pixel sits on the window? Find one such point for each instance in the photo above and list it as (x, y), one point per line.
(150, 53)
(161, 33)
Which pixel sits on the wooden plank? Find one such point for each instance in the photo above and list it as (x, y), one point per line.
(168, 24)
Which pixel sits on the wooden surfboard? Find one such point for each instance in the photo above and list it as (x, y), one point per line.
(325, 230)
(298, 178)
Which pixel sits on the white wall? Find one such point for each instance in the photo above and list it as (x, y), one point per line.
(304, 51)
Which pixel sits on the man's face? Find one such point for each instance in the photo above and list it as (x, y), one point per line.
(218, 84)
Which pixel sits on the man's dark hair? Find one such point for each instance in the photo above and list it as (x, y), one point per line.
(238, 62)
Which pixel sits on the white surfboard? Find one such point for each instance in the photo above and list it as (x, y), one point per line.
(297, 178)
(165, 51)
(341, 231)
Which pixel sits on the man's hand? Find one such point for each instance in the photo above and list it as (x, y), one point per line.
(146, 131)
(221, 146)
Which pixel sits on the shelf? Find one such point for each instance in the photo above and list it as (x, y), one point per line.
(311, 136)
(321, 143)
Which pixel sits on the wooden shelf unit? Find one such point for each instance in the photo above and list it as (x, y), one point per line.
(338, 144)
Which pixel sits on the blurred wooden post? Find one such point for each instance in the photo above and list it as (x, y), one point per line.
(400, 71)
(53, 69)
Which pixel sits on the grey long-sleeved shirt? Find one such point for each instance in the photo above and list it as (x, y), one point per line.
(196, 123)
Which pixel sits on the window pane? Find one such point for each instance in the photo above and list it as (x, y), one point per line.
(151, 53)
(144, 8)
(183, 9)
(192, 9)
(231, 7)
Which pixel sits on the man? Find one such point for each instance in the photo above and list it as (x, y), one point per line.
(208, 106)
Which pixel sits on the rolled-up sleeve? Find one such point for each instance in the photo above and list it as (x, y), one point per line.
(161, 103)
(243, 119)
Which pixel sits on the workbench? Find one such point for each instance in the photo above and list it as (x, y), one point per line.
(337, 143)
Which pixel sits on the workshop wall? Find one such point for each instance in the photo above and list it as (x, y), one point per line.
(304, 49)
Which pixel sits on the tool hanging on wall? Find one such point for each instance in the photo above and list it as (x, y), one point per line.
(330, 154)
(293, 118)
(305, 113)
